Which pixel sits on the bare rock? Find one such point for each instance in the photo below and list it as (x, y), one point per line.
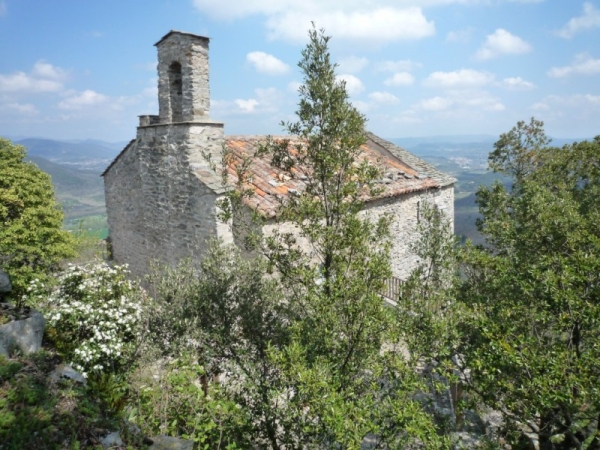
(23, 335)
(112, 440)
(170, 443)
(65, 371)
(5, 286)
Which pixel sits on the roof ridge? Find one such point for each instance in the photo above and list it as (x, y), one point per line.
(411, 159)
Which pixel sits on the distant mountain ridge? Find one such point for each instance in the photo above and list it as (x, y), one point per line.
(421, 144)
(68, 179)
(88, 154)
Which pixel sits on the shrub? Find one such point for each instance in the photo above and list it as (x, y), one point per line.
(175, 398)
(32, 241)
(94, 316)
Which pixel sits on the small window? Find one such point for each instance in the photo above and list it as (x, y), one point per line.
(176, 97)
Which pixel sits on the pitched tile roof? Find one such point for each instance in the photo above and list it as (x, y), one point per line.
(269, 186)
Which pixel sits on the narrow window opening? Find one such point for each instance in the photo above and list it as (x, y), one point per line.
(176, 85)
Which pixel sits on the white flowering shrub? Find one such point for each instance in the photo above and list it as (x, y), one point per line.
(94, 316)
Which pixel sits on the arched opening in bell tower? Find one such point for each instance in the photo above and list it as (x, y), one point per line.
(176, 96)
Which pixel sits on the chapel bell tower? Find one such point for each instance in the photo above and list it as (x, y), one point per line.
(183, 89)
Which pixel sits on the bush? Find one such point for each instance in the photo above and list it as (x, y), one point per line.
(176, 398)
(94, 316)
(32, 241)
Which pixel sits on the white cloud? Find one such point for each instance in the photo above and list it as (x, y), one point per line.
(485, 102)
(459, 35)
(465, 100)
(463, 78)
(571, 111)
(540, 106)
(575, 101)
(589, 19)
(583, 65)
(294, 86)
(247, 106)
(45, 70)
(502, 42)
(434, 104)
(517, 84)
(84, 99)
(363, 107)
(400, 79)
(265, 100)
(20, 81)
(25, 109)
(152, 90)
(403, 65)
(380, 21)
(44, 77)
(385, 98)
(409, 116)
(353, 84)
(352, 64)
(268, 64)
(380, 25)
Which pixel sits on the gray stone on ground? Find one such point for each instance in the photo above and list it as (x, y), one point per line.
(5, 286)
(65, 371)
(3, 350)
(170, 443)
(112, 440)
(464, 440)
(24, 335)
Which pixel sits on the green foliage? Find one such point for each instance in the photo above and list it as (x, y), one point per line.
(36, 413)
(32, 241)
(310, 347)
(177, 403)
(228, 313)
(89, 245)
(516, 153)
(427, 311)
(345, 386)
(94, 316)
(531, 334)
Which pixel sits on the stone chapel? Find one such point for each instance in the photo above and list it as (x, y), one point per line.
(161, 193)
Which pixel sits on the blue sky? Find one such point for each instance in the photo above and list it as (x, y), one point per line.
(76, 69)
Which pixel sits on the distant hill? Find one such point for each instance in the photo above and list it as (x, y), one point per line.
(70, 180)
(475, 145)
(92, 155)
(80, 192)
(412, 142)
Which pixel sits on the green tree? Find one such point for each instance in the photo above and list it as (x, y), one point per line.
(32, 241)
(346, 387)
(531, 332)
(300, 330)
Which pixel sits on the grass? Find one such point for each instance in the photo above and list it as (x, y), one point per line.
(94, 226)
(38, 413)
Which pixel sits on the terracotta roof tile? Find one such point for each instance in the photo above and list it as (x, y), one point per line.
(268, 183)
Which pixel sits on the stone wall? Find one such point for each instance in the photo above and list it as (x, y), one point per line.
(405, 212)
(126, 214)
(158, 209)
(403, 229)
